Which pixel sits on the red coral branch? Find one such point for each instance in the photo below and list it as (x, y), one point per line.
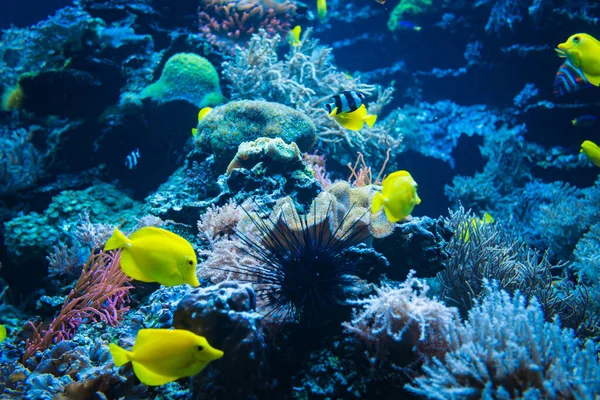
(100, 294)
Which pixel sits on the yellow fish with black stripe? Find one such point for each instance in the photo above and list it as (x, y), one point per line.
(156, 255)
(161, 356)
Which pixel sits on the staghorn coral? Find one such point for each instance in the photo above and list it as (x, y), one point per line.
(304, 79)
(401, 319)
(225, 23)
(506, 350)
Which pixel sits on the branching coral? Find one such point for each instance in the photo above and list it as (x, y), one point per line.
(486, 251)
(20, 161)
(397, 319)
(224, 23)
(507, 350)
(100, 294)
(304, 80)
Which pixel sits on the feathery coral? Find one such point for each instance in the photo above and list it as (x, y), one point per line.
(507, 351)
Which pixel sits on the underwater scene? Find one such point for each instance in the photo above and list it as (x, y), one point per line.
(290, 199)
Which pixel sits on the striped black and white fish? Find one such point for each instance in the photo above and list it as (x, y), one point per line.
(131, 161)
(345, 102)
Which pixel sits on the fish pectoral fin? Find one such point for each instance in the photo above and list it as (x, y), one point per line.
(391, 217)
(130, 268)
(149, 377)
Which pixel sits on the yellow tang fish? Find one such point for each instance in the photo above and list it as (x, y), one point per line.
(2, 333)
(356, 119)
(322, 9)
(477, 222)
(156, 255)
(583, 52)
(592, 151)
(293, 36)
(201, 114)
(161, 356)
(398, 196)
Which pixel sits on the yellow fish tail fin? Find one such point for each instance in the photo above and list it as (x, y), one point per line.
(117, 241)
(334, 112)
(377, 203)
(120, 355)
(370, 120)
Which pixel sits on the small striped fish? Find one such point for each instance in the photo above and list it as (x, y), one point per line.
(131, 161)
(569, 79)
(345, 102)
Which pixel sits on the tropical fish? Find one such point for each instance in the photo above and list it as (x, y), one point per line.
(398, 196)
(569, 79)
(583, 52)
(408, 25)
(355, 120)
(156, 255)
(2, 333)
(345, 102)
(131, 161)
(293, 36)
(477, 222)
(322, 9)
(161, 356)
(592, 151)
(201, 114)
(584, 121)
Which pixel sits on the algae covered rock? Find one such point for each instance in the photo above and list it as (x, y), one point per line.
(226, 127)
(188, 77)
(266, 150)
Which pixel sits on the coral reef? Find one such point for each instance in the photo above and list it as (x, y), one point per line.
(188, 77)
(503, 341)
(226, 127)
(268, 151)
(225, 23)
(226, 315)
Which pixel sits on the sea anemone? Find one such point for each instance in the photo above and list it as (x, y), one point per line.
(302, 273)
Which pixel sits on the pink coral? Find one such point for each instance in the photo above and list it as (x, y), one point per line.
(224, 23)
(100, 294)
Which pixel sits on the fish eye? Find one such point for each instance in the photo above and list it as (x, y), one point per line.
(190, 262)
(200, 348)
(576, 39)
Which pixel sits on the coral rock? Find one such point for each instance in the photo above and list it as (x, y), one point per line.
(226, 127)
(188, 77)
(270, 150)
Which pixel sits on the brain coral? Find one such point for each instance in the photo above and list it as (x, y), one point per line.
(188, 77)
(226, 127)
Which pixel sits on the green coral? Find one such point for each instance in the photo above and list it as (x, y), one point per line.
(406, 7)
(226, 127)
(29, 237)
(188, 77)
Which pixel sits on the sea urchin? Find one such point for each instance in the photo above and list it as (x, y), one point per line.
(301, 272)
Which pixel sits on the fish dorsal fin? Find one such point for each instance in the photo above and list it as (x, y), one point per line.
(149, 377)
(152, 231)
(394, 176)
